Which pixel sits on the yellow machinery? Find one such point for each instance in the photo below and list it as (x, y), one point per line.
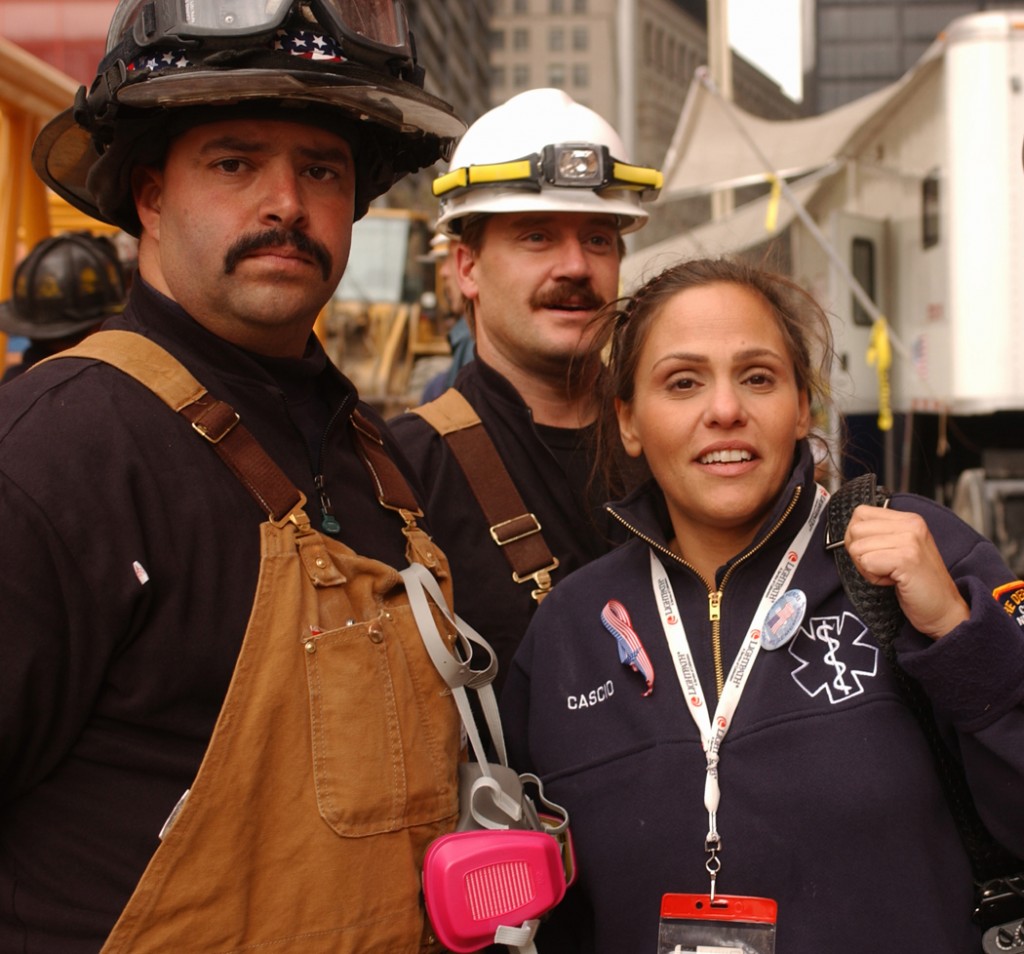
(382, 326)
(31, 93)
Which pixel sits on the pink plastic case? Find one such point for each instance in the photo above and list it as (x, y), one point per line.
(476, 881)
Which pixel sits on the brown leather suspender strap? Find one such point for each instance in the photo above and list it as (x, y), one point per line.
(155, 368)
(217, 422)
(513, 528)
(393, 490)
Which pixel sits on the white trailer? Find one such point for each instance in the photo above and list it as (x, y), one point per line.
(917, 192)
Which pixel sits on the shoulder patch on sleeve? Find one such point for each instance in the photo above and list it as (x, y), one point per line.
(1011, 597)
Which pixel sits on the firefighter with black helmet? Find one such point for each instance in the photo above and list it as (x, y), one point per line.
(219, 728)
(63, 289)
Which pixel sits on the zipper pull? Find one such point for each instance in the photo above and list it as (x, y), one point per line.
(715, 606)
(328, 521)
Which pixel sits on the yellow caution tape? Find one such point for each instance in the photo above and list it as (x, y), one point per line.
(880, 355)
(771, 215)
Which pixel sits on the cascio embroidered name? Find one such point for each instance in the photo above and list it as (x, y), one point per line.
(587, 699)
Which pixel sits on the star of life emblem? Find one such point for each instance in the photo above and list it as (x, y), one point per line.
(836, 655)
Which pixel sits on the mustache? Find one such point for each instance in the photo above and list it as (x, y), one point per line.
(278, 238)
(568, 293)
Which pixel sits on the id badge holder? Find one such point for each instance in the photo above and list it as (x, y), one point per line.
(728, 925)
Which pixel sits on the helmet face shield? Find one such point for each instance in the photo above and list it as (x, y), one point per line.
(368, 30)
(151, 23)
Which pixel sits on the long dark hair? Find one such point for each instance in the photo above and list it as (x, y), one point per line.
(625, 324)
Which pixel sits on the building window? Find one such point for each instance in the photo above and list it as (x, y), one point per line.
(496, 39)
(520, 76)
(930, 211)
(556, 39)
(520, 7)
(863, 268)
(648, 44)
(580, 38)
(579, 6)
(683, 69)
(498, 76)
(520, 39)
(580, 75)
(556, 6)
(556, 75)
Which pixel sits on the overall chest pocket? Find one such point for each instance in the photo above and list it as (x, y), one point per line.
(385, 730)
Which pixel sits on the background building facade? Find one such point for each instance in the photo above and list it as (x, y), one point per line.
(863, 45)
(68, 34)
(632, 62)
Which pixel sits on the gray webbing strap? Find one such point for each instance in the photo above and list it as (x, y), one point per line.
(456, 672)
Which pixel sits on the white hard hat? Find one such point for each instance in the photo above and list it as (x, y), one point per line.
(541, 150)
(440, 248)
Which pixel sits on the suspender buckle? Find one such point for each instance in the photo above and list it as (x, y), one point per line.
(216, 422)
(518, 528)
(541, 577)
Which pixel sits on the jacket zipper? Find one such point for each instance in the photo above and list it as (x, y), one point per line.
(714, 595)
(328, 521)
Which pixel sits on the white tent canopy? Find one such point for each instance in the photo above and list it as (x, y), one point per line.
(745, 227)
(713, 146)
(717, 145)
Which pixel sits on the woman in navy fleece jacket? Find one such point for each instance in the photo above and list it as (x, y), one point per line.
(739, 640)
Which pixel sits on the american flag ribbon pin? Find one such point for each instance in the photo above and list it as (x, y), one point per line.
(616, 620)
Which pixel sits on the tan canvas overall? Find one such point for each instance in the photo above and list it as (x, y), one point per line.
(333, 762)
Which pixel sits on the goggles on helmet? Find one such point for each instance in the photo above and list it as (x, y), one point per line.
(375, 28)
(571, 165)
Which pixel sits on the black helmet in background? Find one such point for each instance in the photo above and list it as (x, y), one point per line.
(345, 65)
(64, 286)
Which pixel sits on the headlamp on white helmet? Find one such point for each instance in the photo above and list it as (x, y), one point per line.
(567, 165)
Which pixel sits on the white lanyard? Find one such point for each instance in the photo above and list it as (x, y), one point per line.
(713, 731)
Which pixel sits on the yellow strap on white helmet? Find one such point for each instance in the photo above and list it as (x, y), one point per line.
(573, 165)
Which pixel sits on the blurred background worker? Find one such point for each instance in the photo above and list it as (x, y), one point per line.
(460, 338)
(538, 194)
(63, 290)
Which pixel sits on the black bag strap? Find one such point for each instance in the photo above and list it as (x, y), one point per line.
(878, 607)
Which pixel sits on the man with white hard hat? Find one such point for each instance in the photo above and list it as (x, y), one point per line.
(539, 193)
